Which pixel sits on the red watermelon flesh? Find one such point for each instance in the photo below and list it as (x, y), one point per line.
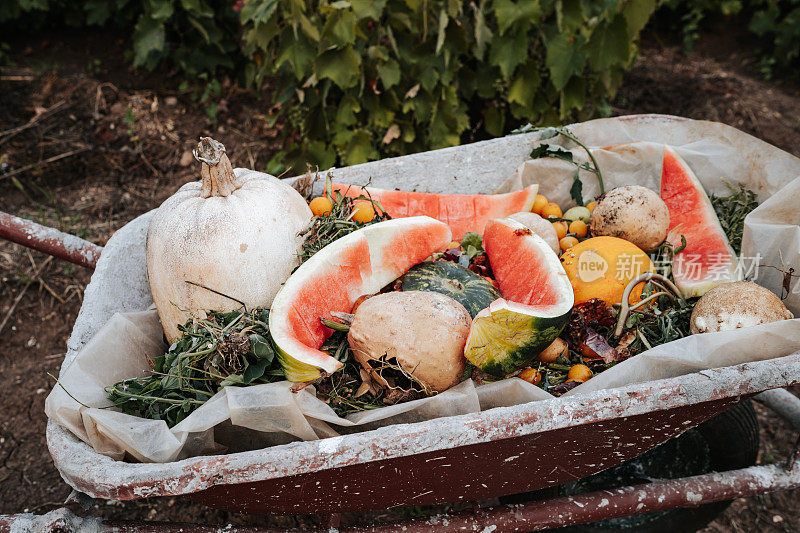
(708, 258)
(520, 267)
(362, 262)
(462, 212)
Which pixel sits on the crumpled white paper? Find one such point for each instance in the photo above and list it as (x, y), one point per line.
(238, 419)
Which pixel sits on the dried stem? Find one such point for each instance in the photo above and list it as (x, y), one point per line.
(217, 171)
(625, 309)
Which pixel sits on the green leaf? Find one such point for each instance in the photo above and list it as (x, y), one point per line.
(576, 191)
(346, 112)
(573, 96)
(254, 371)
(564, 58)
(234, 380)
(97, 12)
(258, 12)
(360, 149)
(300, 56)
(200, 28)
(609, 44)
(569, 15)
(508, 12)
(636, 14)
(340, 66)
(552, 150)
(309, 28)
(340, 29)
(548, 133)
(148, 36)
(368, 8)
(443, 20)
(508, 52)
(472, 239)
(483, 35)
(523, 88)
(160, 9)
(494, 120)
(389, 73)
(261, 347)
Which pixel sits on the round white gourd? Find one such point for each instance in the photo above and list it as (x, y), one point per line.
(235, 232)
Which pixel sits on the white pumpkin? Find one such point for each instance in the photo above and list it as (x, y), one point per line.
(235, 232)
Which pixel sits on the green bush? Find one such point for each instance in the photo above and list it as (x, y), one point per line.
(355, 80)
(778, 24)
(775, 22)
(360, 79)
(196, 36)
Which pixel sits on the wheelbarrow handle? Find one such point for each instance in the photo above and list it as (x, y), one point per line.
(49, 240)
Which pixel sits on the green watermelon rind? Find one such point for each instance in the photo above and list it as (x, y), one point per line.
(434, 276)
(536, 326)
(543, 331)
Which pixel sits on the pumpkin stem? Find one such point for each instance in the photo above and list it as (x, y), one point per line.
(217, 171)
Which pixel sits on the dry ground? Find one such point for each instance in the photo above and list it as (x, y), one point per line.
(128, 133)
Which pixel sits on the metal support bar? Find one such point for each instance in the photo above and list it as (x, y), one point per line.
(784, 403)
(606, 504)
(532, 516)
(49, 240)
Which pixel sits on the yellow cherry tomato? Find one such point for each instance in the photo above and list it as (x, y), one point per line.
(531, 375)
(561, 229)
(551, 210)
(453, 245)
(578, 227)
(320, 206)
(538, 204)
(363, 212)
(566, 243)
(590, 206)
(579, 373)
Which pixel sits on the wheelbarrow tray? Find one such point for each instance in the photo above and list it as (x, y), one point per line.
(496, 452)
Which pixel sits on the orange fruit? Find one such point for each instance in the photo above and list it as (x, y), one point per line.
(590, 206)
(320, 206)
(601, 267)
(531, 375)
(453, 245)
(363, 212)
(578, 227)
(566, 243)
(561, 229)
(551, 210)
(579, 373)
(538, 204)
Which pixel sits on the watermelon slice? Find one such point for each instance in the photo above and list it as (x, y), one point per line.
(708, 258)
(462, 212)
(537, 299)
(362, 262)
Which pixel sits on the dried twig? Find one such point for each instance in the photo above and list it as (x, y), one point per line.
(22, 292)
(43, 162)
(58, 106)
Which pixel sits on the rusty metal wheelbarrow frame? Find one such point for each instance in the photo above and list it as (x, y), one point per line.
(501, 451)
(515, 449)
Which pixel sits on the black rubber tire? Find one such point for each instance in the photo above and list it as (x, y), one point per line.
(732, 441)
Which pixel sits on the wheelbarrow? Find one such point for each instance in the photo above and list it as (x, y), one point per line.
(468, 458)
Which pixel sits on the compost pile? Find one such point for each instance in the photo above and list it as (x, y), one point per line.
(378, 297)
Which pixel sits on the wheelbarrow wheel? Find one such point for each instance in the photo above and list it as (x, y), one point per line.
(728, 441)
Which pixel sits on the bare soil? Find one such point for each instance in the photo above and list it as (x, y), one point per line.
(127, 135)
